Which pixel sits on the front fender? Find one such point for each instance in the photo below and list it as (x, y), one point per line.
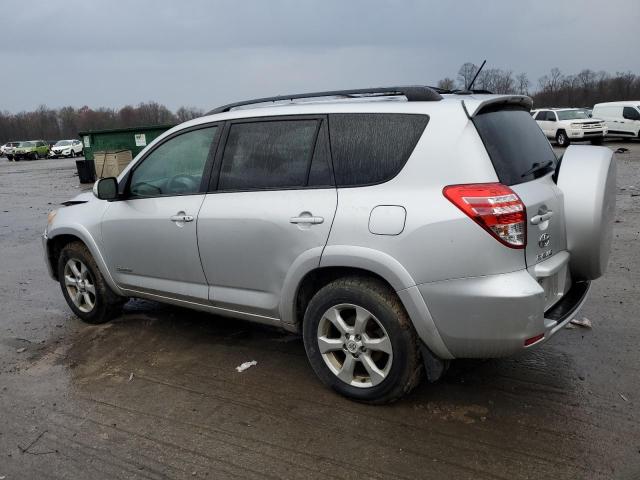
(85, 236)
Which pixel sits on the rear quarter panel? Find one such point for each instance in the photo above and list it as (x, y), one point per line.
(438, 242)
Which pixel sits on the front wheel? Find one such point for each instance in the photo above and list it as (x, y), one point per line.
(83, 286)
(561, 139)
(360, 341)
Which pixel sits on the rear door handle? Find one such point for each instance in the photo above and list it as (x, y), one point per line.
(310, 219)
(181, 218)
(541, 218)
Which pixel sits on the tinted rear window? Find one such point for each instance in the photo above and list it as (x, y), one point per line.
(515, 145)
(372, 148)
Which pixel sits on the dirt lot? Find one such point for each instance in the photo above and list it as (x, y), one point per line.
(155, 394)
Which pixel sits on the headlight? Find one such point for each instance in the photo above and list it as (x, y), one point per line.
(51, 216)
(576, 125)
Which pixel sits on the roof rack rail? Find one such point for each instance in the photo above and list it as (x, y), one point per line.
(414, 93)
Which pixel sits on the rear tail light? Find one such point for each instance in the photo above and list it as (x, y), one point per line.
(495, 207)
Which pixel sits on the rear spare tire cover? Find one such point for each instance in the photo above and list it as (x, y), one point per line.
(587, 179)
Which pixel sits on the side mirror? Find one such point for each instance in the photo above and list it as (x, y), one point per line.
(106, 188)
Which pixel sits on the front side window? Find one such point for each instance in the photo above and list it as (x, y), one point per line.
(268, 154)
(176, 167)
(630, 113)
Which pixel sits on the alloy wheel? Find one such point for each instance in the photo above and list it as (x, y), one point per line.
(80, 285)
(354, 345)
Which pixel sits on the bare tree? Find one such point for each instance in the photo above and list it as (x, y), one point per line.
(447, 83)
(188, 113)
(466, 73)
(522, 84)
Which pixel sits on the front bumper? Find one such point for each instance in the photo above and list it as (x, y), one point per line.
(53, 154)
(493, 316)
(580, 134)
(47, 260)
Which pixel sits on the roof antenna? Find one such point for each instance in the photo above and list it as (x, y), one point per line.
(476, 76)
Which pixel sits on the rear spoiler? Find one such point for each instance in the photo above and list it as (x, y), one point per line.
(476, 103)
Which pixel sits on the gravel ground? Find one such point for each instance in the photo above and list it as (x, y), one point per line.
(155, 393)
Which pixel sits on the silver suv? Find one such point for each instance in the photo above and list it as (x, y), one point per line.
(395, 228)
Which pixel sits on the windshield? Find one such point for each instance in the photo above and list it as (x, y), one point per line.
(571, 115)
(518, 149)
(62, 143)
(26, 144)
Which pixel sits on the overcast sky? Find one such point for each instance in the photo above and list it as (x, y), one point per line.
(207, 52)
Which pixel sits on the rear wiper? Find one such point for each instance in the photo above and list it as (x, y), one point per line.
(536, 167)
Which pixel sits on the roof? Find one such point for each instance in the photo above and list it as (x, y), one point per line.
(412, 93)
(128, 129)
(616, 104)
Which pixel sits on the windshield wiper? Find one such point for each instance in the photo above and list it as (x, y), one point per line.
(536, 167)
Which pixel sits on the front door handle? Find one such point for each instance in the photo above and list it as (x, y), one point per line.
(181, 218)
(541, 218)
(307, 219)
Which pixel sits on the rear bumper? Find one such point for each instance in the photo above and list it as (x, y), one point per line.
(493, 316)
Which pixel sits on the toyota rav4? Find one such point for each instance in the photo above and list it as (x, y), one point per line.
(395, 229)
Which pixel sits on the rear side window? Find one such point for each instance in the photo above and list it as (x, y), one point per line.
(268, 154)
(372, 148)
(515, 144)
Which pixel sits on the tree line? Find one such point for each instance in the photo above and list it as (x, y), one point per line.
(555, 89)
(54, 124)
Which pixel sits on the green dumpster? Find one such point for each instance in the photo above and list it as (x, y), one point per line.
(133, 139)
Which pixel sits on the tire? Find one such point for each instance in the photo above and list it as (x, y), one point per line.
(561, 139)
(95, 302)
(597, 141)
(35, 156)
(397, 372)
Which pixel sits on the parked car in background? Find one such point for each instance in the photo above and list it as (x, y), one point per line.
(566, 125)
(7, 150)
(31, 150)
(622, 118)
(66, 148)
(353, 222)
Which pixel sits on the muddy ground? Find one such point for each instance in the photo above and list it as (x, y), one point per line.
(155, 393)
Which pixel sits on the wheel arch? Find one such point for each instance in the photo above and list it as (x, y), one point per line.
(340, 261)
(55, 242)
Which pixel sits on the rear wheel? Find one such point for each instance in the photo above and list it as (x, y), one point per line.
(83, 286)
(35, 156)
(360, 341)
(561, 139)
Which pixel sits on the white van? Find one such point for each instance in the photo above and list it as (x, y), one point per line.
(622, 118)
